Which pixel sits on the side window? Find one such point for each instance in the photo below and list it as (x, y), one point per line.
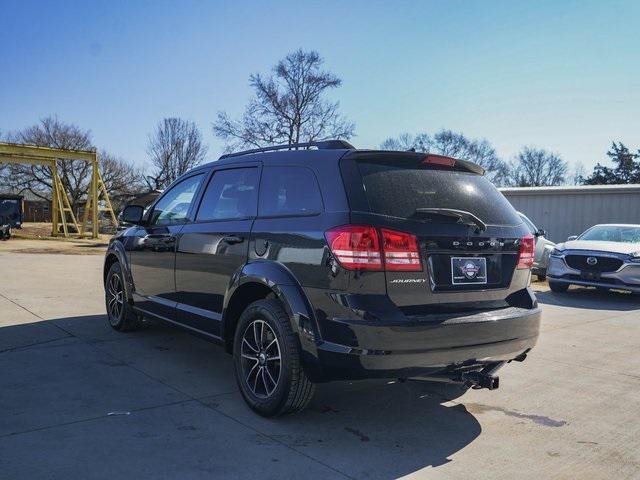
(173, 206)
(230, 194)
(289, 191)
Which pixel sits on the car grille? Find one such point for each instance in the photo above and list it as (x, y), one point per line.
(604, 264)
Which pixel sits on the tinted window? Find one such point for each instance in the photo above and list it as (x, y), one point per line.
(398, 187)
(173, 206)
(289, 191)
(230, 194)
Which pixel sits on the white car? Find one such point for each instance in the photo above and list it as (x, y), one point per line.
(543, 248)
(605, 256)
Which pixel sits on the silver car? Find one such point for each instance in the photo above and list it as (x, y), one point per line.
(605, 256)
(543, 248)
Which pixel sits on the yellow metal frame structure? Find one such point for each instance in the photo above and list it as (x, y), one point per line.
(61, 211)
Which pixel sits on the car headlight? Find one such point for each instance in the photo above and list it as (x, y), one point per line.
(558, 252)
(635, 256)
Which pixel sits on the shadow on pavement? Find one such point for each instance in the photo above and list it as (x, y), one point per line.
(67, 375)
(591, 298)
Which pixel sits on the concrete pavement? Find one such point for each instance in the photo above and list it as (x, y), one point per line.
(78, 400)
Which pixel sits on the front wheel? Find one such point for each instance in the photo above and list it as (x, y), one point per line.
(267, 361)
(558, 287)
(119, 313)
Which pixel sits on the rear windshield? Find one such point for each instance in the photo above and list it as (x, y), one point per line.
(399, 187)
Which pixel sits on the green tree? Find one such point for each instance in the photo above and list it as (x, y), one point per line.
(626, 170)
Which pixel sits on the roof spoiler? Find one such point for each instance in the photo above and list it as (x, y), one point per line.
(427, 159)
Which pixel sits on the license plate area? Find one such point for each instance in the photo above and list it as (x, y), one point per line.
(590, 275)
(468, 270)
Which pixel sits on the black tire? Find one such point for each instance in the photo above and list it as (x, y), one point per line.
(254, 353)
(542, 277)
(558, 287)
(120, 315)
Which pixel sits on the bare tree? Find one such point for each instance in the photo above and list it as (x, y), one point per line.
(453, 144)
(122, 179)
(536, 167)
(577, 174)
(287, 107)
(174, 147)
(118, 175)
(421, 142)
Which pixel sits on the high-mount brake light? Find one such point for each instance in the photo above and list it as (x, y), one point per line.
(400, 251)
(526, 252)
(439, 160)
(356, 247)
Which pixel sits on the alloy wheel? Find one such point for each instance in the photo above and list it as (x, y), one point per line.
(115, 298)
(260, 358)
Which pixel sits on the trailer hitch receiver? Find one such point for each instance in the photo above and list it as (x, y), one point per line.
(481, 380)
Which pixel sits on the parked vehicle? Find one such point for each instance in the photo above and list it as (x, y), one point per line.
(318, 262)
(10, 214)
(605, 256)
(5, 228)
(543, 248)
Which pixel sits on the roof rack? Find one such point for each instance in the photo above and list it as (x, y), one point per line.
(323, 145)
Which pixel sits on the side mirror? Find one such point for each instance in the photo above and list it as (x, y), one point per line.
(541, 232)
(572, 237)
(132, 214)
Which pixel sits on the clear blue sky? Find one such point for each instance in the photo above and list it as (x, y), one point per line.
(563, 75)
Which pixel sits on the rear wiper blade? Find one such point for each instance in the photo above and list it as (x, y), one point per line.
(466, 217)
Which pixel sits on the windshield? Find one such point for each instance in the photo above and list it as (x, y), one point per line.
(612, 233)
(401, 187)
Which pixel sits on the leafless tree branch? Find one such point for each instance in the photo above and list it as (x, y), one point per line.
(174, 147)
(287, 107)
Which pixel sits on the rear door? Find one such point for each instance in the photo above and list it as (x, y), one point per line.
(466, 259)
(213, 247)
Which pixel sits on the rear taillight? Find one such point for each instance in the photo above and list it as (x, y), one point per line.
(525, 254)
(357, 247)
(400, 251)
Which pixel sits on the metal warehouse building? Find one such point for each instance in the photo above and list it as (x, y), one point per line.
(564, 211)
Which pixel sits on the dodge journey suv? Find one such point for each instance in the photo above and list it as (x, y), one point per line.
(318, 262)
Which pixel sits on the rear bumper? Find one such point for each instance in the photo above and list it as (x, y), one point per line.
(440, 345)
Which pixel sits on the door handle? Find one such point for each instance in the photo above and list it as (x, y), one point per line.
(161, 237)
(231, 239)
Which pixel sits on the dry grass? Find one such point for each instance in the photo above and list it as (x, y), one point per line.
(36, 238)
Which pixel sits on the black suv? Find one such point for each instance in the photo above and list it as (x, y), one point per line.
(318, 262)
